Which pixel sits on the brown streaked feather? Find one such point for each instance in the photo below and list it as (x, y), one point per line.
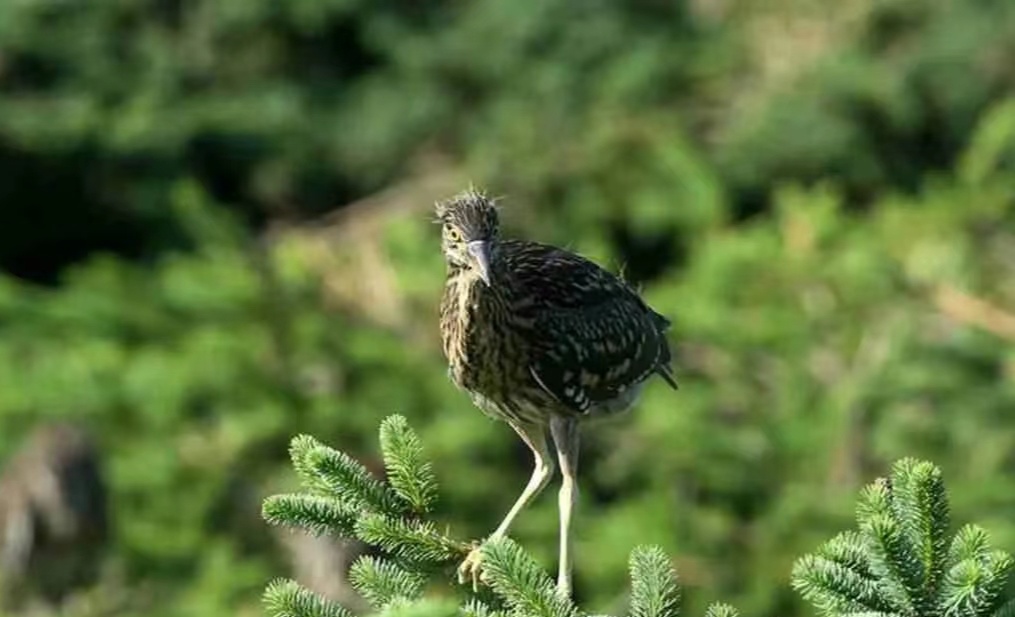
(552, 334)
(592, 336)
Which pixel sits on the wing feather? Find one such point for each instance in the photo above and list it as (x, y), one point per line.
(593, 336)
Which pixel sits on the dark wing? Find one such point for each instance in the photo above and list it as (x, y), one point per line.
(592, 335)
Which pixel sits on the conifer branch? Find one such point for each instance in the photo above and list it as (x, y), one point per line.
(409, 473)
(836, 589)
(971, 542)
(895, 561)
(413, 540)
(974, 586)
(331, 472)
(654, 590)
(383, 583)
(478, 608)
(719, 609)
(316, 514)
(900, 561)
(521, 582)
(920, 506)
(847, 549)
(286, 598)
(299, 447)
(880, 540)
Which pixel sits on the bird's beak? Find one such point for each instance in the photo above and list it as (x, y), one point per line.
(480, 251)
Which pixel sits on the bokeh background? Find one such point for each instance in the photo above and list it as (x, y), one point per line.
(215, 233)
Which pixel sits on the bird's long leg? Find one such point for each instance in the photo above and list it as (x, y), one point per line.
(534, 436)
(566, 438)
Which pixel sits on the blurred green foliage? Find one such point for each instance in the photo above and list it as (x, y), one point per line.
(835, 247)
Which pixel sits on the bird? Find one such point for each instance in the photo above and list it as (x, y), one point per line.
(543, 339)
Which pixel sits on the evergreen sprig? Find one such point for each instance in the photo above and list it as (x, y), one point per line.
(654, 590)
(383, 583)
(520, 581)
(286, 598)
(477, 608)
(314, 513)
(342, 498)
(412, 540)
(330, 472)
(900, 562)
(409, 473)
(720, 609)
(974, 583)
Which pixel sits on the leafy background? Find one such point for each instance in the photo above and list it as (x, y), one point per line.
(215, 233)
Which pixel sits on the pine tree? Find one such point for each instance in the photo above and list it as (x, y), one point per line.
(898, 563)
(340, 497)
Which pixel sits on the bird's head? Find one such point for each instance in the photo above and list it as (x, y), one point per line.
(469, 231)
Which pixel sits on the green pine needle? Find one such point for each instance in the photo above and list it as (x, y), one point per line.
(719, 609)
(895, 560)
(973, 588)
(344, 477)
(897, 564)
(875, 500)
(900, 562)
(971, 542)
(477, 608)
(409, 473)
(415, 541)
(920, 508)
(654, 589)
(299, 447)
(835, 589)
(382, 582)
(316, 514)
(521, 582)
(849, 550)
(286, 598)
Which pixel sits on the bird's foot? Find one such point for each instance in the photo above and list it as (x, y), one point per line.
(471, 568)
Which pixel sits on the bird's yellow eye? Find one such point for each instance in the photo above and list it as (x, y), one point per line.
(453, 234)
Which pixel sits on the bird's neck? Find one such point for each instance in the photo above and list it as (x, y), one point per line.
(463, 311)
(471, 288)
(468, 300)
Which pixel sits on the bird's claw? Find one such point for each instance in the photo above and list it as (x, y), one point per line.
(471, 568)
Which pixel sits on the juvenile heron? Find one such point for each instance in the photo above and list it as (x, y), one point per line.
(542, 339)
